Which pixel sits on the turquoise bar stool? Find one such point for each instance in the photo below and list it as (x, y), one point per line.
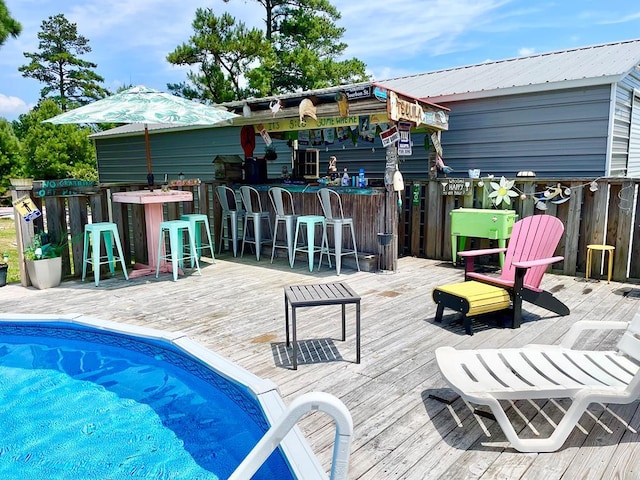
(177, 254)
(310, 222)
(282, 202)
(198, 220)
(109, 233)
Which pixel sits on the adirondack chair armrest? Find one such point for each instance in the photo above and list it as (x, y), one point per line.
(583, 325)
(485, 251)
(537, 263)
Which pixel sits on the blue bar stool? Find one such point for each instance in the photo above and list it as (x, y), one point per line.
(198, 220)
(92, 233)
(286, 213)
(310, 222)
(177, 254)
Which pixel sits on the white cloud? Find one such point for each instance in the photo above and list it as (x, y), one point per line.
(12, 107)
(526, 51)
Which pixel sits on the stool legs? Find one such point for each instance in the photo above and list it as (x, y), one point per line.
(92, 235)
(177, 250)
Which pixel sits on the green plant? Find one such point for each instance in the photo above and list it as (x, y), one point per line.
(43, 246)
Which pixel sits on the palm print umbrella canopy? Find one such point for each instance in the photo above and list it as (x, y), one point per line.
(145, 105)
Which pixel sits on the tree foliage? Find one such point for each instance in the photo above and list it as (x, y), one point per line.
(10, 155)
(224, 50)
(299, 49)
(54, 151)
(8, 25)
(69, 80)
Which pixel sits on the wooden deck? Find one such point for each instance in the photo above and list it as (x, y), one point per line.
(237, 309)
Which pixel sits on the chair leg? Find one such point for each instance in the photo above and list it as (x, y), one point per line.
(192, 249)
(95, 256)
(337, 239)
(119, 248)
(85, 250)
(211, 248)
(439, 312)
(466, 322)
(355, 249)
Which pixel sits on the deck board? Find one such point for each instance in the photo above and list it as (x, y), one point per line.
(236, 308)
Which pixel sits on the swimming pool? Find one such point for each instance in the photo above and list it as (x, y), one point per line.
(86, 398)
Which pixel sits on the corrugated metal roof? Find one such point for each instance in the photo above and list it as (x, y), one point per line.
(594, 65)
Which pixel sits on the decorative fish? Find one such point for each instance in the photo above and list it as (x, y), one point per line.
(275, 106)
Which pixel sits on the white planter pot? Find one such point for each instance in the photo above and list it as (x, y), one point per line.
(45, 273)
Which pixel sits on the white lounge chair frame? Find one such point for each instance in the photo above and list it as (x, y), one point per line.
(488, 376)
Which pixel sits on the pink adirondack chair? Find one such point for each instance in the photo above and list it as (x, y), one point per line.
(528, 254)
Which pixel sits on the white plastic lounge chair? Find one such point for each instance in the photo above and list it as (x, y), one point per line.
(489, 376)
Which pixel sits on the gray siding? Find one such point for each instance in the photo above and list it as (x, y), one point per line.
(560, 133)
(627, 125)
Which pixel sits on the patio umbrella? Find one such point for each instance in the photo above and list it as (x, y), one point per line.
(147, 106)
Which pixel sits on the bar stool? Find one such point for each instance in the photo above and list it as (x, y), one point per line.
(604, 249)
(285, 212)
(198, 220)
(310, 222)
(109, 233)
(254, 214)
(231, 214)
(337, 221)
(177, 256)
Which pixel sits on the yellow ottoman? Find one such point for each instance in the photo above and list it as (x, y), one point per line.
(470, 298)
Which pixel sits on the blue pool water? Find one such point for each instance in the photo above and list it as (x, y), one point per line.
(80, 403)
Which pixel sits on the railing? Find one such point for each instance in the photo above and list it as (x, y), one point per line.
(604, 211)
(608, 214)
(308, 402)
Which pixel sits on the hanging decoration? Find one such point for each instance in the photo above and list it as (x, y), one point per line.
(275, 106)
(307, 109)
(343, 104)
(503, 192)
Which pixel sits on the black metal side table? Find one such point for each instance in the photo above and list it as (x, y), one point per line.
(315, 296)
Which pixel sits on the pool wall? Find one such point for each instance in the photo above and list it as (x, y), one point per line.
(297, 451)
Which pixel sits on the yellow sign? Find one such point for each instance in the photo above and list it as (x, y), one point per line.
(26, 208)
(293, 124)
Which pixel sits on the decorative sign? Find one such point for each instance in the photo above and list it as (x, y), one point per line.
(415, 194)
(390, 136)
(264, 134)
(322, 122)
(436, 143)
(456, 186)
(380, 93)
(64, 187)
(361, 91)
(185, 182)
(26, 208)
(404, 142)
(413, 111)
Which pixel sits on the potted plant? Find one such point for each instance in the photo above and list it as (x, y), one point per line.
(44, 262)
(270, 152)
(4, 266)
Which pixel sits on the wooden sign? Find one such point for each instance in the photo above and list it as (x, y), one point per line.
(456, 186)
(64, 187)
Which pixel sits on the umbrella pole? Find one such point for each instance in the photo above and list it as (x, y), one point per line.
(150, 179)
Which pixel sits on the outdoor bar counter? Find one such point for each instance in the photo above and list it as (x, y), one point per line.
(373, 210)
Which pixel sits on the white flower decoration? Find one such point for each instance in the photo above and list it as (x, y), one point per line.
(502, 191)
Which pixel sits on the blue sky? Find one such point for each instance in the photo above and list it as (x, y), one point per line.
(130, 39)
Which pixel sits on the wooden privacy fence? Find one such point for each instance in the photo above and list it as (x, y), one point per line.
(608, 214)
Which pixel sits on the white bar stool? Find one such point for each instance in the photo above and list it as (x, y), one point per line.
(254, 215)
(285, 212)
(231, 214)
(335, 218)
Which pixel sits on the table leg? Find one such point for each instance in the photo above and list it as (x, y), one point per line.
(344, 322)
(358, 331)
(153, 218)
(286, 317)
(294, 335)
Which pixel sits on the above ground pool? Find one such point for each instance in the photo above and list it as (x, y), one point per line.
(82, 398)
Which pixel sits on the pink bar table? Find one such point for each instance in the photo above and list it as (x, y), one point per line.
(152, 201)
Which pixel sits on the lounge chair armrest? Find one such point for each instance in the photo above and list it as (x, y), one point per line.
(485, 251)
(577, 328)
(538, 263)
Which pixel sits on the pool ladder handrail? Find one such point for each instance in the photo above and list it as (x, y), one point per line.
(308, 402)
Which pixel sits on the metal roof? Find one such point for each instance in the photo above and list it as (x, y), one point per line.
(594, 65)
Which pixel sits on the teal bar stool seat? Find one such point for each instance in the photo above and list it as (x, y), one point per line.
(177, 254)
(309, 222)
(198, 220)
(109, 233)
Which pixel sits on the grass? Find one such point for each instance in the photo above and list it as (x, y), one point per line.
(8, 245)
